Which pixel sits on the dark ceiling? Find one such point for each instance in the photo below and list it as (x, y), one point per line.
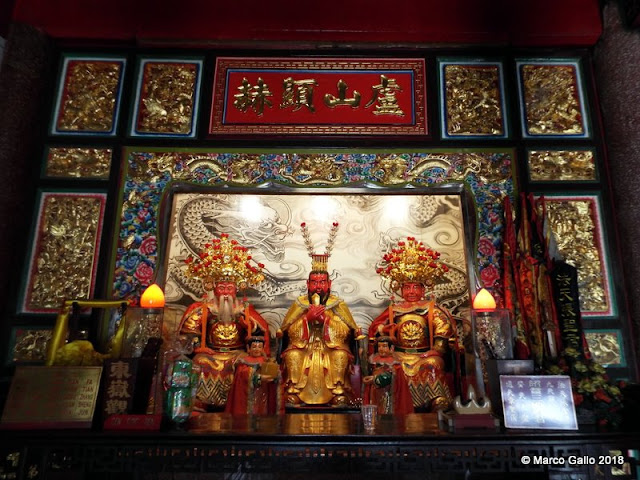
(268, 22)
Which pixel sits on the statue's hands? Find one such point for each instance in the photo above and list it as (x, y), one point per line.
(315, 313)
(204, 350)
(432, 353)
(266, 378)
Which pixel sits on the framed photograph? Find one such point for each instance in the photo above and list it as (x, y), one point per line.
(268, 222)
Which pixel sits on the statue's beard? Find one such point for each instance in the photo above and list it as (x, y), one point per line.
(324, 296)
(225, 309)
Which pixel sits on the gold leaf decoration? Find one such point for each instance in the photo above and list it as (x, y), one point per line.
(552, 100)
(67, 238)
(473, 100)
(562, 165)
(167, 98)
(89, 96)
(574, 225)
(79, 162)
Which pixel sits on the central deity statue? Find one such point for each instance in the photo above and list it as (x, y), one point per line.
(318, 334)
(221, 323)
(420, 328)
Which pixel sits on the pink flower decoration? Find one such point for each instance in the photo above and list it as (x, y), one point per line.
(489, 275)
(485, 247)
(148, 246)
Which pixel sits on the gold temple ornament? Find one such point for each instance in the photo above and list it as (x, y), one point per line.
(576, 224)
(88, 97)
(82, 352)
(63, 261)
(70, 162)
(167, 98)
(561, 165)
(29, 344)
(472, 100)
(606, 347)
(552, 100)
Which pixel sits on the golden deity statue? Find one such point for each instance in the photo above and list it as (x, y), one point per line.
(421, 329)
(318, 332)
(220, 324)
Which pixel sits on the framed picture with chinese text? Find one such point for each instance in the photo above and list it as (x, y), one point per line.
(553, 102)
(577, 226)
(312, 96)
(88, 95)
(167, 97)
(64, 252)
(472, 99)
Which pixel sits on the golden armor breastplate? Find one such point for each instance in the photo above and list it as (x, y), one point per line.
(225, 336)
(193, 323)
(412, 332)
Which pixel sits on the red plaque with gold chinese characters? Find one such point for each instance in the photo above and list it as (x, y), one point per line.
(309, 96)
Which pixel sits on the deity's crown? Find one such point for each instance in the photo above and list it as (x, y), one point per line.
(224, 260)
(411, 261)
(319, 261)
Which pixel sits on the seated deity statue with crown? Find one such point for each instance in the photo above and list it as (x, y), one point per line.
(420, 328)
(318, 334)
(220, 324)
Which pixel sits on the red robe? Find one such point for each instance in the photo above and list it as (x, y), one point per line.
(249, 395)
(394, 398)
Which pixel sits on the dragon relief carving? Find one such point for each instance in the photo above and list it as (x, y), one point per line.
(201, 218)
(395, 169)
(315, 169)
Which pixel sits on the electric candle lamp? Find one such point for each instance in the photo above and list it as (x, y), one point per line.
(491, 328)
(152, 297)
(484, 301)
(150, 325)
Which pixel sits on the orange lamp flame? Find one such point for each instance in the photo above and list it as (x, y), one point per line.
(484, 301)
(153, 297)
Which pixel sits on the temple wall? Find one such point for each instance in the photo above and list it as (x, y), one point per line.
(617, 69)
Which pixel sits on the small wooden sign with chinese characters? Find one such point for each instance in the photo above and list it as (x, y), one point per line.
(52, 397)
(538, 401)
(312, 96)
(119, 385)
